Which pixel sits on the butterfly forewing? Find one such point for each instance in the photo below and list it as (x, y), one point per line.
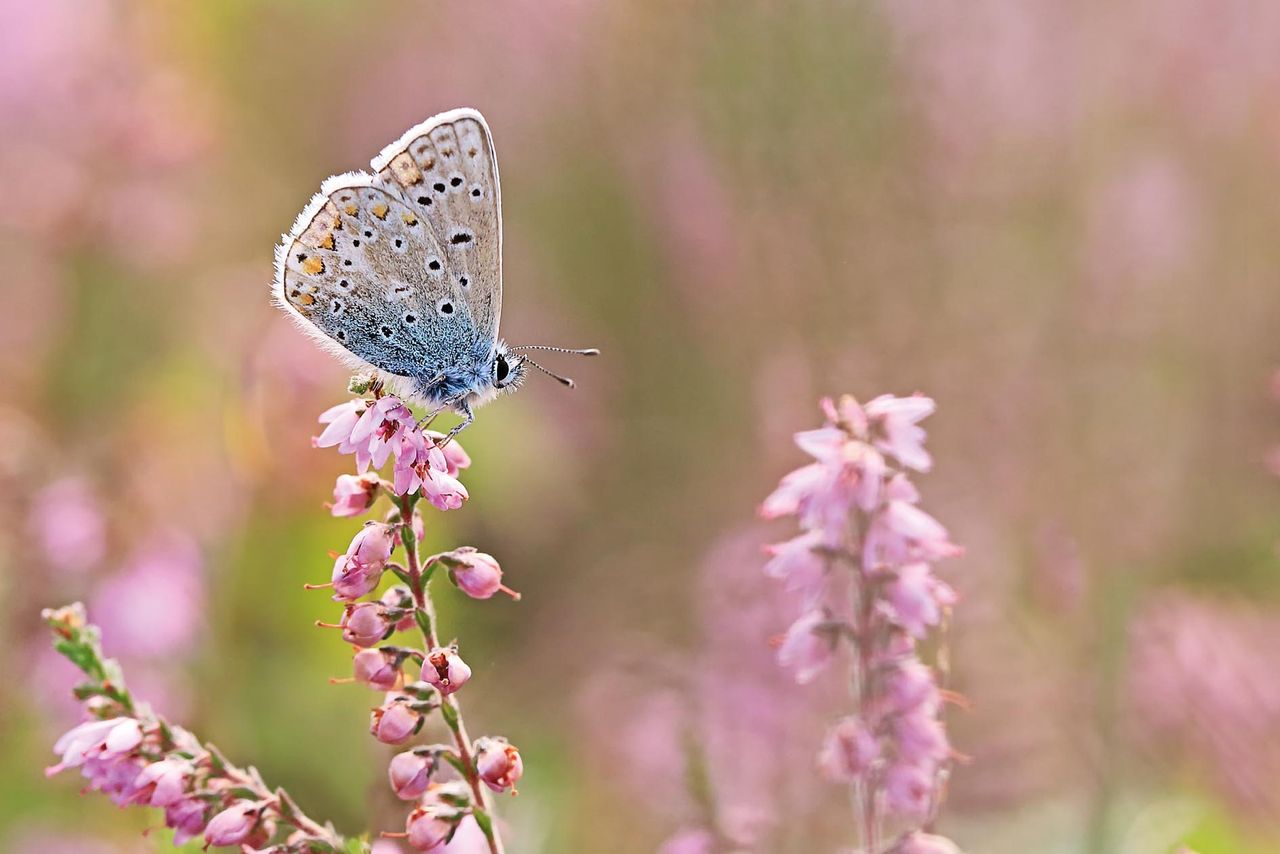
(446, 170)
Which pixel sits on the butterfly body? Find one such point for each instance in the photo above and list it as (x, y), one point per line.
(400, 270)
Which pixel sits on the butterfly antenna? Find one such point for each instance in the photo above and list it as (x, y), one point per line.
(565, 380)
(588, 351)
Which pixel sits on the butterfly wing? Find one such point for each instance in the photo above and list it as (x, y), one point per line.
(446, 171)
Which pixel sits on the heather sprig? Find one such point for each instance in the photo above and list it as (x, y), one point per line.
(863, 532)
(380, 430)
(136, 757)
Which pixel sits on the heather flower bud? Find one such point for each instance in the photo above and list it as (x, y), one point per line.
(373, 544)
(806, 648)
(365, 624)
(915, 599)
(410, 773)
(352, 580)
(399, 605)
(910, 685)
(378, 668)
(445, 670)
(395, 720)
(96, 740)
(475, 573)
(187, 818)
(354, 494)
(164, 782)
(908, 788)
(848, 752)
(233, 825)
(919, 842)
(498, 764)
(429, 826)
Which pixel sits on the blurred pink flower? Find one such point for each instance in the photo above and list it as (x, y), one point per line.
(808, 646)
(154, 607)
(68, 525)
(915, 599)
(97, 740)
(848, 751)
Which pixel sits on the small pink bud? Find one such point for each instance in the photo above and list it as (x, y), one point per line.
(187, 818)
(164, 782)
(445, 670)
(399, 598)
(427, 827)
(394, 721)
(351, 580)
(848, 751)
(354, 494)
(409, 773)
(476, 573)
(499, 764)
(379, 669)
(373, 544)
(233, 825)
(364, 624)
(919, 842)
(807, 649)
(908, 789)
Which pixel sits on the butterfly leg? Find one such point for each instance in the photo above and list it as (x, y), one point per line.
(431, 416)
(463, 409)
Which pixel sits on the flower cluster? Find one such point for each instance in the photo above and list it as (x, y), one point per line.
(381, 429)
(447, 783)
(863, 531)
(135, 757)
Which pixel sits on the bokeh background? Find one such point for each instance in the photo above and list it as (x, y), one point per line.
(1058, 219)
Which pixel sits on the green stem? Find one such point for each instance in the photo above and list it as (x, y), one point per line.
(450, 710)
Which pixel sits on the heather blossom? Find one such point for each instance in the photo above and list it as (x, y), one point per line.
(859, 516)
(134, 756)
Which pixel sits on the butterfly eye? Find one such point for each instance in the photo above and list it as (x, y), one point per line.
(501, 370)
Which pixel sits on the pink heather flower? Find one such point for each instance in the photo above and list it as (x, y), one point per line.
(427, 827)
(444, 491)
(804, 649)
(848, 752)
(115, 777)
(919, 842)
(920, 737)
(233, 825)
(399, 598)
(826, 444)
(445, 670)
(164, 783)
(910, 685)
(379, 669)
(365, 624)
(900, 436)
(341, 421)
(354, 494)
(908, 789)
(409, 773)
(351, 580)
(901, 533)
(394, 721)
(915, 599)
(476, 573)
(499, 764)
(373, 544)
(690, 841)
(187, 818)
(795, 490)
(67, 523)
(798, 564)
(455, 459)
(100, 740)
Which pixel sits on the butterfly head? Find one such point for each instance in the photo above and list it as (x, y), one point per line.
(509, 366)
(508, 369)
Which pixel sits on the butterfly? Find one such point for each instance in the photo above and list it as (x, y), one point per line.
(400, 271)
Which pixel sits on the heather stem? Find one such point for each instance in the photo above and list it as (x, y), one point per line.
(450, 709)
(862, 603)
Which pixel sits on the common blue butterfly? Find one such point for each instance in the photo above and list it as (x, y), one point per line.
(400, 271)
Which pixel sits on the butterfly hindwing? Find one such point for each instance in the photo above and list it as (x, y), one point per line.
(364, 268)
(446, 171)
